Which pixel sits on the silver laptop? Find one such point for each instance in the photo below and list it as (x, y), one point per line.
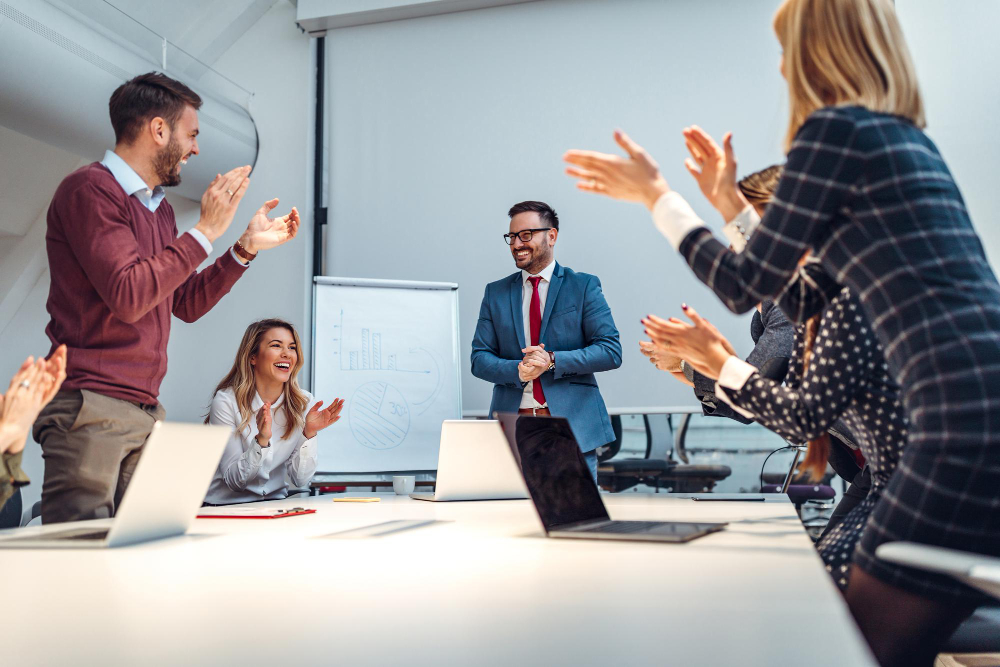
(474, 464)
(564, 493)
(162, 499)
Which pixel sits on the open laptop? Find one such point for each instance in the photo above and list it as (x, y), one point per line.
(162, 499)
(474, 464)
(564, 493)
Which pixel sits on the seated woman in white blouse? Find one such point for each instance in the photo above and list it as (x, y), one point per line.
(274, 434)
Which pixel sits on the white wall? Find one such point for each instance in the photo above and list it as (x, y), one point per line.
(439, 124)
(273, 58)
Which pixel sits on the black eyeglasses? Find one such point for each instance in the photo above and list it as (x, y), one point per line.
(525, 234)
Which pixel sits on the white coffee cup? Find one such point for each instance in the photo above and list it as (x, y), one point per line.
(403, 484)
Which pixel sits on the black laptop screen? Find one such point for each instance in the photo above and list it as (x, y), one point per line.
(554, 469)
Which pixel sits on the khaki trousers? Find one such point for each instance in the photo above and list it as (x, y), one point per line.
(90, 444)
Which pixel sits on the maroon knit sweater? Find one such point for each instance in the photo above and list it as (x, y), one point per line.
(118, 271)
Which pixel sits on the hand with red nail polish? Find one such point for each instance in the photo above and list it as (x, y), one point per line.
(698, 343)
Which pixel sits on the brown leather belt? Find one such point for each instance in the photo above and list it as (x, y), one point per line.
(543, 412)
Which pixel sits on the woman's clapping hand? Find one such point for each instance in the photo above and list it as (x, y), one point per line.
(317, 420)
(633, 178)
(700, 344)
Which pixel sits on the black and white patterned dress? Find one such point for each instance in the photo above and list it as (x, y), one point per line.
(870, 194)
(847, 379)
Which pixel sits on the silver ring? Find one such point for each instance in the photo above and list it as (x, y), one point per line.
(25, 384)
(229, 192)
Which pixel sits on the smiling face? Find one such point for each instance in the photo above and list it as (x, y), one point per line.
(534, 255)
(276, 356)
(182, 144)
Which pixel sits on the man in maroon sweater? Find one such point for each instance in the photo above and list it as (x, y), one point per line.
(119, 271)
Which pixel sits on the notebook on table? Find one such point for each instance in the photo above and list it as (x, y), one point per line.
(251, 513)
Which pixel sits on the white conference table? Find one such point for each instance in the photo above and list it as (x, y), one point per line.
(484, 587)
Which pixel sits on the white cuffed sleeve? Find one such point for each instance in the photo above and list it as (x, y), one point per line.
(201, 239)
(303, 461)
(675, 218)
(735, 373)
(738, 230)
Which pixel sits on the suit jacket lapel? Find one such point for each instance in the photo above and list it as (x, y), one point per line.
(550, 300)
(517, 305)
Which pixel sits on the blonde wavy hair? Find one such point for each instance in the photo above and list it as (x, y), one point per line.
(241, 376)
(846, 52)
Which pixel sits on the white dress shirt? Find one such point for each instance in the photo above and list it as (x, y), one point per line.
(249, 472)
(527, 398)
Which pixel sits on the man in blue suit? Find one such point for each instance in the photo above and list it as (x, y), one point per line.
(544, 331)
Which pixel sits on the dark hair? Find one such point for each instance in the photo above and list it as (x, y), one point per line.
(145, 97)
(544, 211)
(759, 186)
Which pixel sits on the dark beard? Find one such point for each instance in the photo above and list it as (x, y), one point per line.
(166, 164)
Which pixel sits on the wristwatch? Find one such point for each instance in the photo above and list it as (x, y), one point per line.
(552, 361)
(243, 252)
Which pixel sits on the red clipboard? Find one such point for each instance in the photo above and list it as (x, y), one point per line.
(258, 514)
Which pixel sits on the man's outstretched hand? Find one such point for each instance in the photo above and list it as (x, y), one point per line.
(264, 233)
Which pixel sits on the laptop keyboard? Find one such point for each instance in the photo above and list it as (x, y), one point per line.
(622, 527)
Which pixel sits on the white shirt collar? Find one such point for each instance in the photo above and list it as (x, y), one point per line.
(132, 182)
(545, 273)
(257, 403)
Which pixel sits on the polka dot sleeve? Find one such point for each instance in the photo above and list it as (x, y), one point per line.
(842, 362)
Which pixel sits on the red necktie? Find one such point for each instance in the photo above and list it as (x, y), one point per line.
(535, 320)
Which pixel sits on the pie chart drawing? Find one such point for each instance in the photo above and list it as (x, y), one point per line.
(379, 416)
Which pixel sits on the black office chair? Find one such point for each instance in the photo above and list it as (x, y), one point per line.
(687, 477)
(620, 474)
(658, 468)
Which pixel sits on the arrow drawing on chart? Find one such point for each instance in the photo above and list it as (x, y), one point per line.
(424, 404)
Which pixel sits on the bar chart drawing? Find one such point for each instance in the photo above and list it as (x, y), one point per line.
(392, 350)
(372, 357)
